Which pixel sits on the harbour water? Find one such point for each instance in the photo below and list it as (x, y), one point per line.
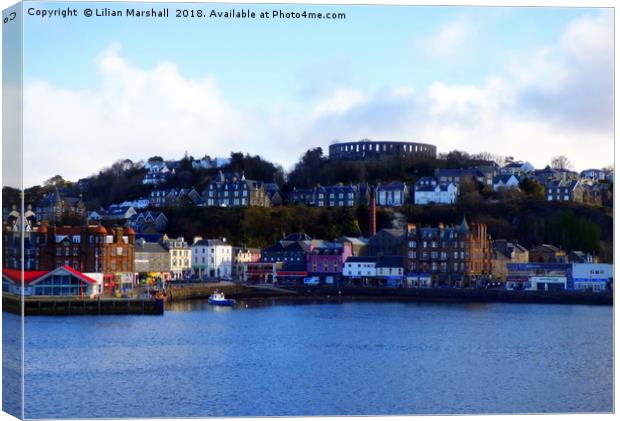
(279, 358)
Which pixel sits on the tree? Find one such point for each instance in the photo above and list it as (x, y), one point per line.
(532, 188)
(561, 162)
(55, 181)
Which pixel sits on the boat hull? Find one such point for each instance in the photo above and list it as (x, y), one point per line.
(226, 302)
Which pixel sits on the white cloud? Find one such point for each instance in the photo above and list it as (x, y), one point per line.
(452, 40)
(339, 102)
(134, 113)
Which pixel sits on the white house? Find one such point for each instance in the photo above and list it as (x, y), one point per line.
(392, 194)
(506, 181)
(517, 168)
(592, 174)
(180, 256)
(360, 267)
(212, 258)
(592, 276)
(427, 190)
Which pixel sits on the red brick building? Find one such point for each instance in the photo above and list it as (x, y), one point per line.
(450, 255)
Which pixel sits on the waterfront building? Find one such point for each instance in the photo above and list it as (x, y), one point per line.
(62, 281)
(370, 149)
(387, 242)
(180, 255)
(547, 253)
(360, 270)
(505, 252)
(536, 276)
(390, 270)
(241, 256)
(261, 272)
(212, 258)
(325, 261)
(292, 252)
(452, 255)
(595, 277)
(234, 190)
(152, 261)
(87, 249)
(427, 190)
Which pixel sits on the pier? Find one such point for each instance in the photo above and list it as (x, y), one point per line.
(58, 306)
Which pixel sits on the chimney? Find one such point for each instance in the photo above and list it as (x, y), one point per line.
(373, 213)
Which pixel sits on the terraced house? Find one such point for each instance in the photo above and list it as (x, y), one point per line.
(339, 195)
(234, 190)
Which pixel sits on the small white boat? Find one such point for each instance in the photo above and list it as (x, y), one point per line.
(218, 299)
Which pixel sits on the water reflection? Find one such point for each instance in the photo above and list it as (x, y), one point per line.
(253, 303)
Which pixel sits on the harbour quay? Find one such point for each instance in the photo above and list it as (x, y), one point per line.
(66, 306)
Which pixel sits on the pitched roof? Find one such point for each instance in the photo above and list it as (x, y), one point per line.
(32, 276)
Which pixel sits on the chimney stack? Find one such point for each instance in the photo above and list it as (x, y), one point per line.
(373, 213)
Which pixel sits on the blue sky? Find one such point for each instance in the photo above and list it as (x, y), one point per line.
(503, 80)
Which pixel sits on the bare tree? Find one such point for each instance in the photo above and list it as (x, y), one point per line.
(561, 162)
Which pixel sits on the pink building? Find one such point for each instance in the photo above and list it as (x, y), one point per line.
(325, 262)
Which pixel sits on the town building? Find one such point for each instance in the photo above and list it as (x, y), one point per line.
(506, 182)
(152, 262)
(505, 252)
(395, 193)
(451, 255)
(148, 221)
(517, 168)
(212, 258)
(360, 270)
(595, 277)
(547, 253)
(387, 242)
(234, 190)
(593, 175)
(428, 191)
(339, 195)
(180, 255)
(390, 270)
(292, 252)
(62, 281)
(55, 206)
(325, 262)
(455, 176)
(539, 276)
(241, 256)
(563, 190)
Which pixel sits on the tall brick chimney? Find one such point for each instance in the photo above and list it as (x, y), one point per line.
(373, 213)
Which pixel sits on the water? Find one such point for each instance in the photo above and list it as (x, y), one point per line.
(344, 358)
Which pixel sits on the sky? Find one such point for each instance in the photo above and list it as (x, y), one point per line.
(530, 83)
